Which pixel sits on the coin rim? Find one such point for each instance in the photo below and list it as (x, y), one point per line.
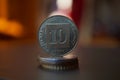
(76, 32)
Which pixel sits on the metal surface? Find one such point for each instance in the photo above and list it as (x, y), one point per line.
(58, 35)
(59, 63)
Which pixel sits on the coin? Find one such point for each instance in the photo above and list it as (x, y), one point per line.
(58, 35)
(59, 63)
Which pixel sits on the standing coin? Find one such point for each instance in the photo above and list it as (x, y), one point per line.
(58, 35)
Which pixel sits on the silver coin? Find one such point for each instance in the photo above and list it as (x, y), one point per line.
(59, 63)
(58, 35)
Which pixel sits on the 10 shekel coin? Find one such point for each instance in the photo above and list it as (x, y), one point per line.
(58, 35)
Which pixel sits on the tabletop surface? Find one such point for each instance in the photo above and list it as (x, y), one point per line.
(18, 61)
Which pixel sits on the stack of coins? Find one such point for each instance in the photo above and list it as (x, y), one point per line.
(58, 36)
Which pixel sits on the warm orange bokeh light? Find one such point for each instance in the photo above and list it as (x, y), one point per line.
(8, 27)
(11, 28)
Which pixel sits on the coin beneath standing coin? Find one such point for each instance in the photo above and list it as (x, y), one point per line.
(59, 63)
(58, 35)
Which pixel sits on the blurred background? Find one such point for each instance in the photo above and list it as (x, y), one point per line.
(97, 20)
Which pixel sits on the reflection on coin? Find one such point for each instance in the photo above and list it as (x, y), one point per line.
(58, 35)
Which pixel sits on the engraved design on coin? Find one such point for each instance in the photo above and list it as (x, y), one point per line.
(58, 35)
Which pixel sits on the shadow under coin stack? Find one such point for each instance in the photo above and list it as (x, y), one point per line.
(58, 36)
